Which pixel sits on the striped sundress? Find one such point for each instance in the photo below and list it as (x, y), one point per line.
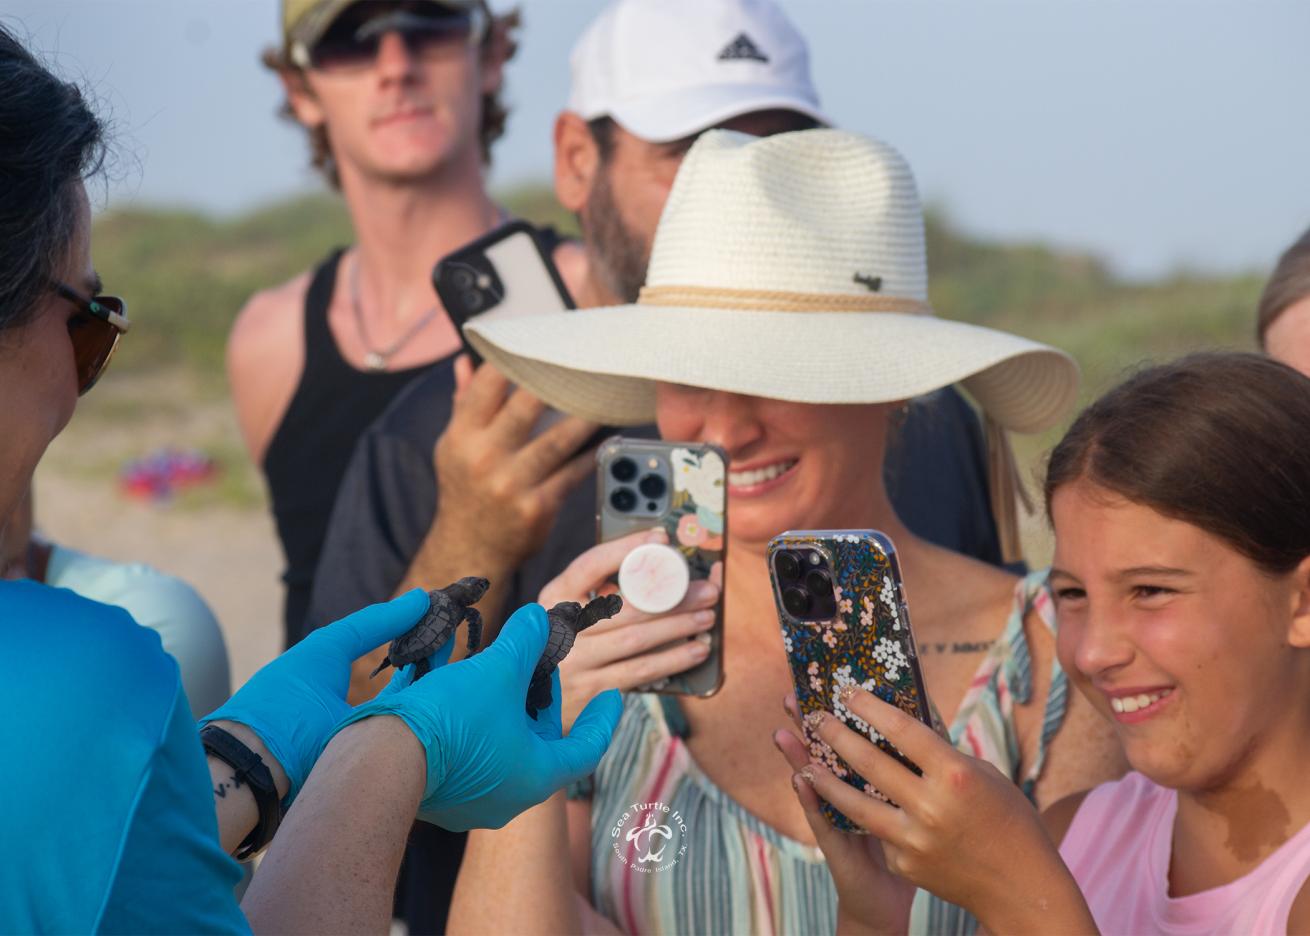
(672, 853)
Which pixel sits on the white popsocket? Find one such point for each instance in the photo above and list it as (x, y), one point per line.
(654, 578)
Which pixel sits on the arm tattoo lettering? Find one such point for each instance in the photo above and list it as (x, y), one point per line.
(959, 646)
(221, 790)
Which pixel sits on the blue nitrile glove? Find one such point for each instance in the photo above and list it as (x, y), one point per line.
(488, 760)
(295, 702)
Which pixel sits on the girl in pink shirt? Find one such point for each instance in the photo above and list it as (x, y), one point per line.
(1181, 508)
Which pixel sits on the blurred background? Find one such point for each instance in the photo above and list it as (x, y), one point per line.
(1115, 178)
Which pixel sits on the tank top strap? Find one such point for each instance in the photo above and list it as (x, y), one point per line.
(1033, 598)
(321, 351)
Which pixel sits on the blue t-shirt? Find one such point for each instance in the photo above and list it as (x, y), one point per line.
(106, 811)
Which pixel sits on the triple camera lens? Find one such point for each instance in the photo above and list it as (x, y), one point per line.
(631, 492)
(806, 584)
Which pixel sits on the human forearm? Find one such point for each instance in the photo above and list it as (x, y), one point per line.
(234, 803)
(1046, 901)
(545, 899)
(333, 865)
(447, 556)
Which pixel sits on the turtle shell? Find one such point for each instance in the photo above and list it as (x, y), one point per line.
(436, 627)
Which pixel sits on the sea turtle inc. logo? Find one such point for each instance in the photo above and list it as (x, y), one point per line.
(649, 838)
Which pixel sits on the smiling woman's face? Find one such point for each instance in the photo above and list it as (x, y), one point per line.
(37, 370)
(1182, 642)
(790, 465)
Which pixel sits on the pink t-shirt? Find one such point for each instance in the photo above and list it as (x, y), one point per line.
(1118, 848)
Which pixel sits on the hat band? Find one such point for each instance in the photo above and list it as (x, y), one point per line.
(775, 300)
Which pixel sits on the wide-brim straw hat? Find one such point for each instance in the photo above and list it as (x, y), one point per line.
(790, 267)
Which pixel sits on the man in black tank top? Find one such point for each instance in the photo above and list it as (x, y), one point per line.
(403, 516)
(400, 102)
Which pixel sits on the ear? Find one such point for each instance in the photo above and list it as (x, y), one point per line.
(577, 161)
(304, 103)
(1298, 633)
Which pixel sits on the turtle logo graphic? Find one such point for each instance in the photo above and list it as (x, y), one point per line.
(658, 832)
(649, 837)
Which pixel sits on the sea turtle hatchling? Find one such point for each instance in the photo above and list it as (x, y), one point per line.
(566, 619)
(449, 606)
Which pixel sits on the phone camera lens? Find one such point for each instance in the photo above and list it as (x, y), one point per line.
(462, 278)
(623, 469)
(623, 500)
(819, 583)
(472, 299)
(787, 566)
(652, 487)
(796, 601)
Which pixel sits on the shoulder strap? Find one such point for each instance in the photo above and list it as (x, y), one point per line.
(318, 298)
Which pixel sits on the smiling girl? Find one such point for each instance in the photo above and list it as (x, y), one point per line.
(1182, 581)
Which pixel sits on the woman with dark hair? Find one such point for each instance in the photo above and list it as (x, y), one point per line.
(114, 815)
(1283, 316)
(1182, 584)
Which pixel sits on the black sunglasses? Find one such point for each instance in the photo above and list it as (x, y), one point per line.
(95, 329)
(351, 43)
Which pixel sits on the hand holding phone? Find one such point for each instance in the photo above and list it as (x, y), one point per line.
(634, 648)
(500, 486)
(681, 488)
(844, 623)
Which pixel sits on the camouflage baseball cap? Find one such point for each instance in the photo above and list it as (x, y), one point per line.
(305, 21)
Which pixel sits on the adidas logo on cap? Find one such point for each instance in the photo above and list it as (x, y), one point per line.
(742, 48)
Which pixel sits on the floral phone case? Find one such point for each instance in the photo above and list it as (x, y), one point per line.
(694, 514)
(867, 642)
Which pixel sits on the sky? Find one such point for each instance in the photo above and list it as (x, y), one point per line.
(1162, 135)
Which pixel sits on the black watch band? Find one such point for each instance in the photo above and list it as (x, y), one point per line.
(251, 770)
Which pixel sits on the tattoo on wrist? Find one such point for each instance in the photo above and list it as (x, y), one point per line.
(959, 646)
(221, 790)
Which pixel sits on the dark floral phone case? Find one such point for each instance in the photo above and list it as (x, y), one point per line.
(867, 644)
(694, 520)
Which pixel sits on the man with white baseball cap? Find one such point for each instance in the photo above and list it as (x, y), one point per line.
(647, 77)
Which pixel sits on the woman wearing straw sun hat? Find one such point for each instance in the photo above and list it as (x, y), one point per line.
(786, 319)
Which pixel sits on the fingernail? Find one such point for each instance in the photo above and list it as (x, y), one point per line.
(704, 619)
(846, 693)
(815, 719)
(807, 774)
(796, 782)
(658, 535)
(702, 591)
(706, 639)
(698, 650)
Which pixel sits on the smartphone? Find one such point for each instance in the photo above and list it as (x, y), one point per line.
(680, 486)
(503, 274)
(844, 620)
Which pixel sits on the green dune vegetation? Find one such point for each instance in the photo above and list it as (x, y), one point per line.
(187, 275)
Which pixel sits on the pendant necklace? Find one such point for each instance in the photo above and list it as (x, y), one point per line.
(376, 359)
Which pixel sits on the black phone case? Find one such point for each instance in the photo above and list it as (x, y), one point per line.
(455, 278)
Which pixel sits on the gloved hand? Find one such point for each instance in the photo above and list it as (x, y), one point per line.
(295, 702)
(488, 760)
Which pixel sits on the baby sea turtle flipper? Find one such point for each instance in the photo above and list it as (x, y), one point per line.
(566, 619)
(474, 619)
(446, 609)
